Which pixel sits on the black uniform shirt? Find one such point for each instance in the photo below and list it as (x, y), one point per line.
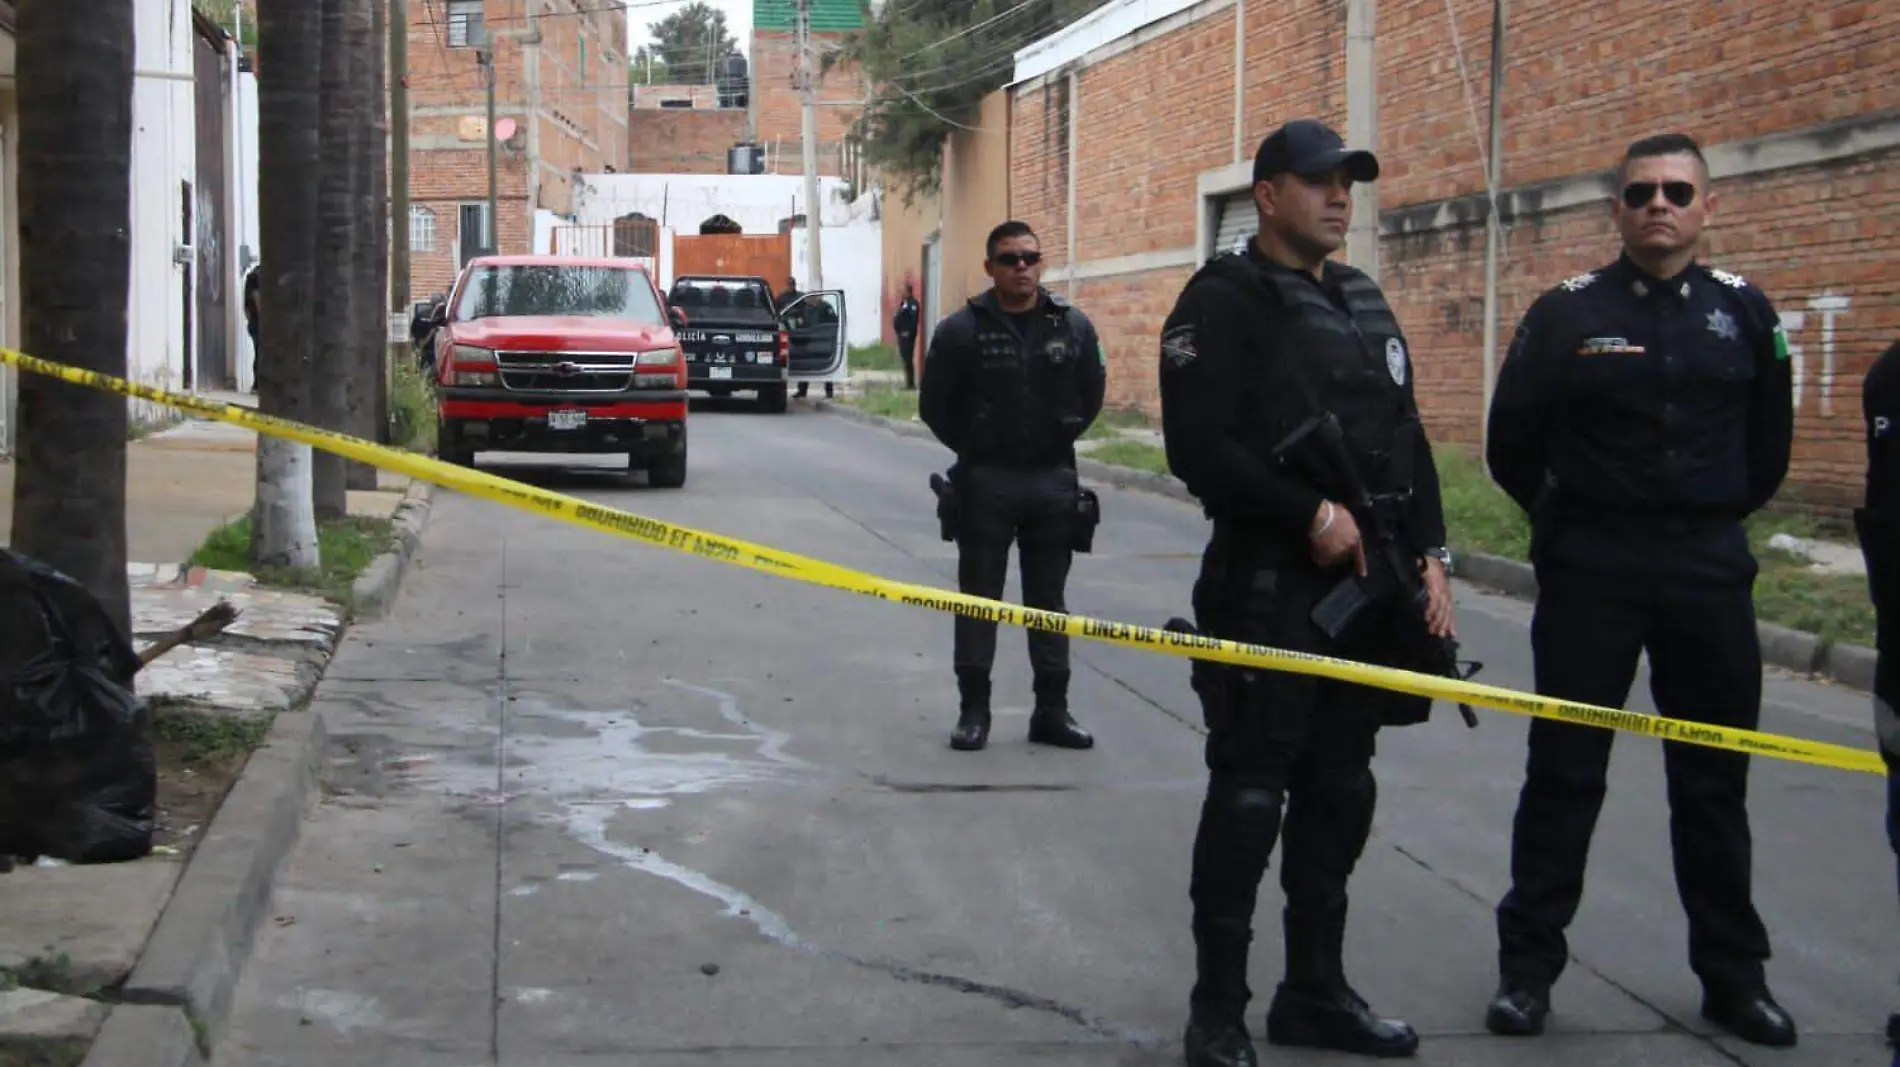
(1880, 403)
(1660, 399)
(1224, 404)
(1878, 522)
(1013, 389)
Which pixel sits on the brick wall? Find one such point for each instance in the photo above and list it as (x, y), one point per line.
(574, 79)
(677, 141)
(1822, 239)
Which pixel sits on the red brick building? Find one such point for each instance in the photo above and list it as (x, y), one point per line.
(561, 79)
(1131, 135)
(680, 129)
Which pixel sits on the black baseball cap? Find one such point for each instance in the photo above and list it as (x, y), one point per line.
(1309, 147)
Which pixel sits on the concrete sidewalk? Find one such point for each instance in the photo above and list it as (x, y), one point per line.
(74, 939)
(186, 481)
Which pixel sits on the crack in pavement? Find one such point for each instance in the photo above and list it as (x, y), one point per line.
(1581, 963)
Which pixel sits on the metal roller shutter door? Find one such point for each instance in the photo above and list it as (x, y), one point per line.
(1237, 222)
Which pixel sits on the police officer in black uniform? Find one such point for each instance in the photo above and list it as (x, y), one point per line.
(1010, 380)
(1877, 523)
(1642, 412)
(1254, 344)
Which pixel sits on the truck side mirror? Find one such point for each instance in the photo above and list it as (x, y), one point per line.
(676, 315)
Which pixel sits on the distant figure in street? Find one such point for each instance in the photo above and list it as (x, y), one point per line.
(1643, 411)
(1878, 525)
(786, 299)
(904, 325)
(251, 284)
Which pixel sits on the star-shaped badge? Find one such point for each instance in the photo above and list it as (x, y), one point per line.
(1723, 326)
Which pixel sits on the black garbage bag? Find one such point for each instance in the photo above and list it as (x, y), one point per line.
(78, 777)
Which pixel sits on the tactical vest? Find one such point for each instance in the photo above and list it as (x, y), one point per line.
(1028, 406)
(1350, 361)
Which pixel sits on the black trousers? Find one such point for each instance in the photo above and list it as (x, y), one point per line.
(1035, 510)
(1288, 756)
(906, 353)
(1705, 666)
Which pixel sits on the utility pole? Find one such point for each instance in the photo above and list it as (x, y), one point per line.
(1362, 131)
(808, 84)
(398, 157)
(487, 58)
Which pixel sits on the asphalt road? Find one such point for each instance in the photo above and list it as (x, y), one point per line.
(593, 803)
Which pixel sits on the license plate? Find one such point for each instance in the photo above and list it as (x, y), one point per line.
(722, 372)
(566, 420)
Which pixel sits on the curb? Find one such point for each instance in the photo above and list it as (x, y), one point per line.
(375, 589)
(1120, 477)
(203, 938)
(140, 1035)
(1793, 650)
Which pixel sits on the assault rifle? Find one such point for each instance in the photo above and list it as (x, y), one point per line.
(1392, 572)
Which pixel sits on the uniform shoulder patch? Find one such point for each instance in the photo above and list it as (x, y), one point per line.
(1733, 281)
(1177, 345)
(1581, 281)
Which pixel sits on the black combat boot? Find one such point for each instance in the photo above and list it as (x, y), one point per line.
(973, 717)
(1217, 1030)
(1315, 1007)
(1050, 723)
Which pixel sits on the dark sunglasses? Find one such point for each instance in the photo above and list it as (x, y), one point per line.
(1018, 259)
(1639, 194)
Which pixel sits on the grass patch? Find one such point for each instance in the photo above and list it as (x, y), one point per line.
(1112, 421)
(201, 738)
(879, 356)
(889, 401)
(1136, 455)
(345, 547)
(1480, 518)
(411, 406)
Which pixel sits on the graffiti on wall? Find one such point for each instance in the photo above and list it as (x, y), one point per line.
(1816, 318)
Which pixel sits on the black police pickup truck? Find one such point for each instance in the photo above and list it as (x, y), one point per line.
(733, 339)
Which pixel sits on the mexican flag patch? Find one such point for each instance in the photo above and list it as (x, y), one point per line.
(1781, 344)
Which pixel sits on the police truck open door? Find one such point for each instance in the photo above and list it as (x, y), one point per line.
(814, 325)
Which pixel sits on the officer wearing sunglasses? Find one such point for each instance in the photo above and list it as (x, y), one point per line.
(1877, 523)
(1643, 410)
(1011, 380)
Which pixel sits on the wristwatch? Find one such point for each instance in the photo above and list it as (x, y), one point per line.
(1441, 554)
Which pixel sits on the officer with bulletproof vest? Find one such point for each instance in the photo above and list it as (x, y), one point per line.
(1642, 412)
(1260, 345)
(1877, 522)
(1010, 381)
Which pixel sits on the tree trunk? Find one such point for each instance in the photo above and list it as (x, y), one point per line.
(365, 372)
(75, 263)
(289, 50)
(335, 336)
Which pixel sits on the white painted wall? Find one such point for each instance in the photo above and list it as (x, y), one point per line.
(854, 262)
(164, 156)
(755, 201)
(248, 242)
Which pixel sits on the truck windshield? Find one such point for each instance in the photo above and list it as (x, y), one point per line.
(558, 289)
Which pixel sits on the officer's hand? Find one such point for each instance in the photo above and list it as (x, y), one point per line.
(1335, 540)
(1438, 615)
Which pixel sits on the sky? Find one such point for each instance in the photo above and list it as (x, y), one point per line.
(738, 20)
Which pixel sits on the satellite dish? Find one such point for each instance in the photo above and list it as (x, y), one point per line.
(504, 129)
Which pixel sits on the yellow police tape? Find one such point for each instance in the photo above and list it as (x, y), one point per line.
(805, 569)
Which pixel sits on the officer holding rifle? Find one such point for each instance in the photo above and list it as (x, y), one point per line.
(1287, 408)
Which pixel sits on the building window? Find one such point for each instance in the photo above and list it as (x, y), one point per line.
(465, 24)
(1235, 220)
(421, 229)
(473, 233)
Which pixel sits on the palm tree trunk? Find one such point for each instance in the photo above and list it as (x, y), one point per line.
(75, 260)
(365, 372)
(337, 133)
(289, 49)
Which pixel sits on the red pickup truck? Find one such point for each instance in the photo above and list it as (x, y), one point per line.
(561, 354)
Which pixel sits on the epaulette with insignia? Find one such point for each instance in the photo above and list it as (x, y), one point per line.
(1578, 282)
(1733, 281)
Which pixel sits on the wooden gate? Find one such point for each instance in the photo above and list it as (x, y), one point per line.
(767, 256)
